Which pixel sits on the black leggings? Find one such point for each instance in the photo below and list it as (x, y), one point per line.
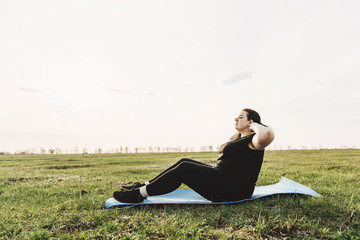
(209, 182)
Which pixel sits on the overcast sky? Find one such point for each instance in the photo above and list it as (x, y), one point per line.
(177, 73)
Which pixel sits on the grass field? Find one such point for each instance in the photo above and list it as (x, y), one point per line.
(63, 197)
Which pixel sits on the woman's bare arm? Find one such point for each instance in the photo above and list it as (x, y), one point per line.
(263, 136)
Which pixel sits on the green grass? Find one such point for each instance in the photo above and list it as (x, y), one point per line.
(63, 197)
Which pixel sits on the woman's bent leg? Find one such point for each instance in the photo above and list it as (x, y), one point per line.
(209, 182)
(138, 185)
(177, 164)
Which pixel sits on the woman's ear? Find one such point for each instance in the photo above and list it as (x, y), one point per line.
(249, 124)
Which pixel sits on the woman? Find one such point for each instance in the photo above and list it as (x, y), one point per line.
(232, 178)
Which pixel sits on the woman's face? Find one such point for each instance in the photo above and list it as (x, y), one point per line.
(241, 122)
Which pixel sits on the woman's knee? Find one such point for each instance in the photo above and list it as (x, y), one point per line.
(184, 166)
(181, 161)
(185, 160)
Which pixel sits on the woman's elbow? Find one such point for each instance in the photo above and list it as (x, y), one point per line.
(266, 139)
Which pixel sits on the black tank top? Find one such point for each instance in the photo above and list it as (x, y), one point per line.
(240, 162)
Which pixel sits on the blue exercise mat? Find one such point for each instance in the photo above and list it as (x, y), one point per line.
(285, 186)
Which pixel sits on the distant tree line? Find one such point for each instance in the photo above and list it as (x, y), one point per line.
(121, 149)
(152, 149)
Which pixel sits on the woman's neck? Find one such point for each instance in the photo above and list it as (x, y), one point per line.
(245, 134)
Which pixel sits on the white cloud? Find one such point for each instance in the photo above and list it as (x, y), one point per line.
(243, 75)
(27, 89)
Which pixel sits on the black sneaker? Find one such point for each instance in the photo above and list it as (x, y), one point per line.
(132, 187)
(132, 196)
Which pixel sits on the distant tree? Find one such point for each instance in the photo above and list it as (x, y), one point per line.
(42, 151)
(210, 148)
(57, 150)
(121, 149)
(136, 150)
(99, 150)
(126, 149)
(51, 151)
